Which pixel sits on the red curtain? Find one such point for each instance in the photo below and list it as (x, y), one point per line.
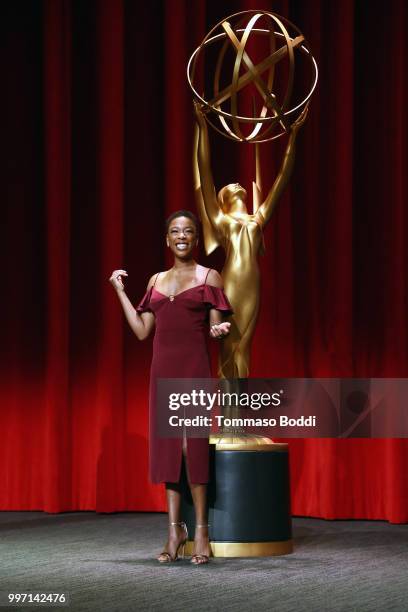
(97, 152)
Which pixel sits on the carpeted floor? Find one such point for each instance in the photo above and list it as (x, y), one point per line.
(105, 562)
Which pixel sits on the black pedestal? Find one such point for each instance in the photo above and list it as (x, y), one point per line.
(249, 502)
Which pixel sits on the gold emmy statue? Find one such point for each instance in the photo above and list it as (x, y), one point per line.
(225, 217)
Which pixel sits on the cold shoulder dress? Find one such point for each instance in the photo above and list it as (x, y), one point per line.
(180, 351)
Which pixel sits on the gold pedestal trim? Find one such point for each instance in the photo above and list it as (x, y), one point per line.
(275, 447)
(246, 549)
(240, 439)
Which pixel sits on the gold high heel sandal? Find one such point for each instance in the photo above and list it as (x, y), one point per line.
(167, 558)
(198, 558)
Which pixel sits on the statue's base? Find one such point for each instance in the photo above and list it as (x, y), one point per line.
(248, 499)
(237, 440)
(246, 549)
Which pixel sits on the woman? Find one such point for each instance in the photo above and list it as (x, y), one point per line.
(228, 223)
(180, 302)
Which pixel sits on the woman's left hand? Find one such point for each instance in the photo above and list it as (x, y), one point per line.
(220, 330)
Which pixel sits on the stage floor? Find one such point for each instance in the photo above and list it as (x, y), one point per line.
(105, 562)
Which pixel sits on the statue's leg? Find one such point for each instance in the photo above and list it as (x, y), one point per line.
(226, 364)
(236, 347)
(242, 352)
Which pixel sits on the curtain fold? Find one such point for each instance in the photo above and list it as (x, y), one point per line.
(97, 152)
(57, 178)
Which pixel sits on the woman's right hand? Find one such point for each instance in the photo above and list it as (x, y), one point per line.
(219, 330)
(116, 279)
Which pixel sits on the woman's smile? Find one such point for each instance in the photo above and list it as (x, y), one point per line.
(182, 236)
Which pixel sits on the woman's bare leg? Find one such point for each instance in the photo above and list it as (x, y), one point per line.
(199, 495)
(176, 532)
(201, 542)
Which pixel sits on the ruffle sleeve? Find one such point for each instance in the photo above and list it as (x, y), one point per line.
(144, 304)
(215, 297)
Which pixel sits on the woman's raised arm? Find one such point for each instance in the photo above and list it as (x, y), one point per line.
(141, 324)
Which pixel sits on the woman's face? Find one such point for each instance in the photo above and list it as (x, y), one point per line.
(233, 193)
(182, 237)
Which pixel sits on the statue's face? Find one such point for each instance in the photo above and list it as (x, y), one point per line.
(231, 194)
(182, 237)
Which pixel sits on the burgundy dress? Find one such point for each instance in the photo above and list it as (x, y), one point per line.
(180, 351)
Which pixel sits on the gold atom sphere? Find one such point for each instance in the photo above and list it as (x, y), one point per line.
(238, 38)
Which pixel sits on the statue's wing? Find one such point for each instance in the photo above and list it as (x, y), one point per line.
(257, 196)
(211, 239)
(257, 183)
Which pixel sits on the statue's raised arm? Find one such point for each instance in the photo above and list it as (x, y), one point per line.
(266, 209)
(209, 209)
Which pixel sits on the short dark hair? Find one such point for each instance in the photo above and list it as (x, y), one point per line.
(182, 213)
